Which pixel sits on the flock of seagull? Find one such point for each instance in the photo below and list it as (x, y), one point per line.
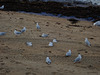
(48, 61)
(68, 54)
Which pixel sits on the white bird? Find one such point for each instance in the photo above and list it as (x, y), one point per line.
(78, 59)
(17, 32)
(54, 40)
(97, 23)
(44, 35)
(23, 30)
(87, 42)
(29, 43)
(48, 61)
(2, 7)
(50, 43)
(37, 26)
(68, 53)
(2, 33)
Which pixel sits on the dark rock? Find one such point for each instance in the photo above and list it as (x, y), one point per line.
(49, 51)
(86, 51)
(91, 12)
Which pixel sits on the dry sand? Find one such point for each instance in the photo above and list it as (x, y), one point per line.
(16, 58)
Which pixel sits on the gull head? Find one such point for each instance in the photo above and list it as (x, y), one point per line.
(37, 23)
(47, 58)
(79, 55)
(86, 38)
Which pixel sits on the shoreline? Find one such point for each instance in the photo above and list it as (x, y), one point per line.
(59, 16)
(55, 8)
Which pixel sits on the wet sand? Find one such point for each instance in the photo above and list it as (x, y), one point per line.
(16, 58)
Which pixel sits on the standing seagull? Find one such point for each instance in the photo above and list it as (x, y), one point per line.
(87, 42)
(23, 30)
(48, 61)
(54, 40)
(78, 59)
(44, 35)
(17, 32)
(97, 23)
(29, 43)
(68, 53)
(37, 26)
(50, 43)
(2, 33)
(2, 7)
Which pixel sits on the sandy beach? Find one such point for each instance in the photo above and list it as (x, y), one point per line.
(16, 58)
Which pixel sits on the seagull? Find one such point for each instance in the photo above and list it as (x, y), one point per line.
(87, 42)
(50, 43)
(2, 33)
(54, 40)
(97, 23)
(17, 32)
(2, 7)
(29, 43)
(23, 30)
(68, 53)
(44, 35)
(78, 59)
(48, 61)
(37, 26)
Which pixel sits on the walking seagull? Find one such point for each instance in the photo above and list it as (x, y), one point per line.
(2, 33)
(87, 42)
(37, 26)
(68, 53)
(48, 61)
(78, 59)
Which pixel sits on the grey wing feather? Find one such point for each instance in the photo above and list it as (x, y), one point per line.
(88, 43)
(68, 54)
(2, 33)
(38, 27)
(77, 59)
(46, 35)
(18, 32)
(23, 30)
(48, 61)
